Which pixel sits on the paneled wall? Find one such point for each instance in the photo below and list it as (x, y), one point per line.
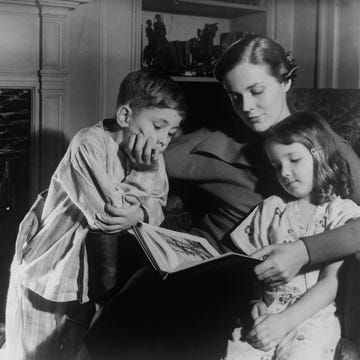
(72, 55)
(324, 35)
(34, 45)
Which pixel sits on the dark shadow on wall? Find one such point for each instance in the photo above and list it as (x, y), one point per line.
(15, 195)
(15, 129)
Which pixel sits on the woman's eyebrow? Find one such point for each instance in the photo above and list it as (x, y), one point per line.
(256, 84)
(247, 88)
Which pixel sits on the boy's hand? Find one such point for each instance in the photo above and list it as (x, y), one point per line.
(143, 152)
(268, 331)
(120, 219)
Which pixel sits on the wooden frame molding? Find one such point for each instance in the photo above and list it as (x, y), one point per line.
(39, 59)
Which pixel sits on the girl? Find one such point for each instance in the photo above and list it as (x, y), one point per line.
(297, 320)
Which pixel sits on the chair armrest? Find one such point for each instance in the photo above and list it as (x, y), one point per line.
(102, 253)
(346, 350)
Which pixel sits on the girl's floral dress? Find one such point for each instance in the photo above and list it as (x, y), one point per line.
(275, 221)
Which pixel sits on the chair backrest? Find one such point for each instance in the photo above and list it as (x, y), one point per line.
(210, 106)
(340, 107)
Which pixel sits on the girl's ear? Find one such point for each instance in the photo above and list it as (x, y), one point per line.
(287, 85)
(123, 116)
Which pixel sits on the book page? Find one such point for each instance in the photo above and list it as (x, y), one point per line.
(186, 250)
(176, 248)
(163, 249)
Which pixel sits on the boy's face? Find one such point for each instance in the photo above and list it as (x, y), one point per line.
(158, 124)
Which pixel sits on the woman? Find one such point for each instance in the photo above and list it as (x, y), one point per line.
(256, 73)
(234, 175)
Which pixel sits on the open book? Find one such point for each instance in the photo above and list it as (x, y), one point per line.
(172, 251)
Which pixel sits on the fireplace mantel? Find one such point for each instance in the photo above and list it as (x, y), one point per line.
(35, 55)
(59, 4)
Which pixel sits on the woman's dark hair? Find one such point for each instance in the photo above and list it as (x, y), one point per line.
(144, 89)
(331, 171)
(258, 50)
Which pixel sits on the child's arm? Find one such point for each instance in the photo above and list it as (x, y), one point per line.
(150, 190)
(85, 179)
(269, 330)
(29, 225)
(149, 186)
(118, 218)
(84, 175)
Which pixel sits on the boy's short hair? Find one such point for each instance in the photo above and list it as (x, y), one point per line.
(144, 89)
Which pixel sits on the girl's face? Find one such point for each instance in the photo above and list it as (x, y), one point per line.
(294, 167)
(257, 97)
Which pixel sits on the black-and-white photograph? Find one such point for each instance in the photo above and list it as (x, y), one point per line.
(139, 135)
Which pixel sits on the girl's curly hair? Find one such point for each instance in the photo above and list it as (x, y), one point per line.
(332, 174)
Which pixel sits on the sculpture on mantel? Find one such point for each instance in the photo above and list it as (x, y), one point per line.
(195, 57)
(156, 51)
(203, 51)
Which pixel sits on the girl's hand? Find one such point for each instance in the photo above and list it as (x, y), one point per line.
(259, 309)
(268, 331)
(120, 219)
(143, 152)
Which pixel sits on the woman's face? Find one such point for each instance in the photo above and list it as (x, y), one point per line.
(257, 97)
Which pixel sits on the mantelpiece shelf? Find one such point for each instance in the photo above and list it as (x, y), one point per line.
(240, 17)
(208, 8)
(194, 78)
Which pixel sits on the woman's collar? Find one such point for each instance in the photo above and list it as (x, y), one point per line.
(224, 147)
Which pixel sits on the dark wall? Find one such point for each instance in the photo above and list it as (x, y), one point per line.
(15, 125)
(208, 105)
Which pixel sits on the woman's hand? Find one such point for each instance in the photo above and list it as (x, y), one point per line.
(120, 219)
(282, 262)
(268, 331)
(143, 152)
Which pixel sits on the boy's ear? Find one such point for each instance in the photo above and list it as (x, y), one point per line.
(123, 115)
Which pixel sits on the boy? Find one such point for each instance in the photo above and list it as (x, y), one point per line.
(117, 161)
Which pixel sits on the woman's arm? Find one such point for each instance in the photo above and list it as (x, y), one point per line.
(353, 160)
(334, 244)
(283, 262)
(269, 330)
